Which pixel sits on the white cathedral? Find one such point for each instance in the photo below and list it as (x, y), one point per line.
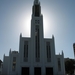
(36, 54)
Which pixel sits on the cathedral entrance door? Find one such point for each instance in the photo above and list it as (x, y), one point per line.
(25, 71)
(49, 71)
(37, 71)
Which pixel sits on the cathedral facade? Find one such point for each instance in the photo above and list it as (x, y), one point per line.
(36, 54)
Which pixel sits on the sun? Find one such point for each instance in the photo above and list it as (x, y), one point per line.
(46, 23)
(25, 23)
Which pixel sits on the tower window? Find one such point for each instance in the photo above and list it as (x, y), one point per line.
(37, 21)
(48, 50)
(14, 59)
(37, 44)
(59, 64)
(37, 10)
(26, 51)
(14, 64)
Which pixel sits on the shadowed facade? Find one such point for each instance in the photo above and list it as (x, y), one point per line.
(36, 54)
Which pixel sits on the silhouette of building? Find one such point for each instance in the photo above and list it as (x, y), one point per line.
(74, 48)
(36, 54)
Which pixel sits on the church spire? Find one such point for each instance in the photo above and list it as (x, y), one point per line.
(36, 1)
(36, 8)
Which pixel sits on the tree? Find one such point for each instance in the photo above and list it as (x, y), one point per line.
(0, 63)
(69, 66)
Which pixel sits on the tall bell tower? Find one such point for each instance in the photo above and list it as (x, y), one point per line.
(37, 30)
(37, 18)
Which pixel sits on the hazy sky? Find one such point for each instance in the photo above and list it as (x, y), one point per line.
(59, 20)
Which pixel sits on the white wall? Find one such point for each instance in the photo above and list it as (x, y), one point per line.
(62, 72)
(5, 65)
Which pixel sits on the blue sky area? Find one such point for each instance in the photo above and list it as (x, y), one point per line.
(59, 20)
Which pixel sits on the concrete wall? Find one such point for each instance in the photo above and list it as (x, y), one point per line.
(5, 65)
(62, 71)
(11, 55)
